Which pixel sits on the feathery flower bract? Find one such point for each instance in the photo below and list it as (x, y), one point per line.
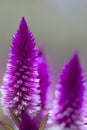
(70, 96)
(45, 81)
(20, 86)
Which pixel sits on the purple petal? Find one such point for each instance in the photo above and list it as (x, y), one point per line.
(70, 96)
(20, 85)
(27, 123)
(45, 82)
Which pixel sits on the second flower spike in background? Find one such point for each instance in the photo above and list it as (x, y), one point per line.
(69, 96)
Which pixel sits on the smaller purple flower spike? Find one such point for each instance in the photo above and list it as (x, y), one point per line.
(69, 101)
(45, 80)
(20, 86)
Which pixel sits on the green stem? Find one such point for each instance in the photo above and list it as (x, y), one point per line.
(5, 125)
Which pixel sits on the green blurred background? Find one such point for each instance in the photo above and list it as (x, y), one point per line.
(59, 26)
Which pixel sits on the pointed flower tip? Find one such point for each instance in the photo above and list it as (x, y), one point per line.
(41, 53)
(75, 59)
(75, 56)
(23, 22)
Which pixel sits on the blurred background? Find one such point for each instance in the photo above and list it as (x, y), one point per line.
(59, 26)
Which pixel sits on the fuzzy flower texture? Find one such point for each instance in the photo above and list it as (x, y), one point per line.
(27, 85)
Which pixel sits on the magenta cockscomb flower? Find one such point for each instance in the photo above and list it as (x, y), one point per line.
(69, 102)
(45, 80)
(20, 86)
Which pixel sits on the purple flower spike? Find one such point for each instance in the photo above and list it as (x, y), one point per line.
(44, 77)
(20, 87)
(69, 100)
